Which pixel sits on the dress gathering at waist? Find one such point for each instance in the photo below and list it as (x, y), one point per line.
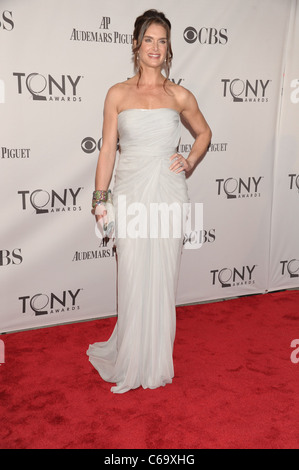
(152, 152)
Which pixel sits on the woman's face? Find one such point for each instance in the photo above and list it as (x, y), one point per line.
(152, 52)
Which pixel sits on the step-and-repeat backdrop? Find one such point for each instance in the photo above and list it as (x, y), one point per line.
(240, 58)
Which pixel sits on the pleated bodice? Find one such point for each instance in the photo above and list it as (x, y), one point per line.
(156, 132)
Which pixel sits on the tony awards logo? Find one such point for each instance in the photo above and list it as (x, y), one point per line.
(253, 91)
(49, 88)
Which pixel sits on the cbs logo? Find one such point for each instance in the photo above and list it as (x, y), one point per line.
(205, 35)
(90, 145)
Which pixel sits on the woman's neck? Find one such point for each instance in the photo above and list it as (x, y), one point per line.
(150, 78)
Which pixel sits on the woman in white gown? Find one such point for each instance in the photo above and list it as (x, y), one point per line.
(149, 193)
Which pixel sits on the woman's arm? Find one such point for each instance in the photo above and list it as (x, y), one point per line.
(193, 116)
(107, 154)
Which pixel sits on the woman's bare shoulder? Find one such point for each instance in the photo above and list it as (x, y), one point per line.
(117, 92)
(116, 89)
(181, 94)
(121, 87)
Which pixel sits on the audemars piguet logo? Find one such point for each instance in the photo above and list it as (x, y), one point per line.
(103, 34)
(106, 249)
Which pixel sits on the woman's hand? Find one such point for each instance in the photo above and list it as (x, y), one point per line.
(179, 163)
(101, 217)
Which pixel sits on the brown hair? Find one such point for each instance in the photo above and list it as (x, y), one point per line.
(141, 25)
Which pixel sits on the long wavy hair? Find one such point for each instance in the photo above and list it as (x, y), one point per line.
(141, 25)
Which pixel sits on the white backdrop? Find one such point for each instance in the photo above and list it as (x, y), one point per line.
(58, 59)
(284, 259)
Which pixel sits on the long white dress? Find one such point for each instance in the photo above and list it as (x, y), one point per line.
(139, 351)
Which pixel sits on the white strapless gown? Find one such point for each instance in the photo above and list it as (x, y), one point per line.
(139, 351)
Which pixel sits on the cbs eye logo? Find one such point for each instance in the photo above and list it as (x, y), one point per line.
(90, 145)
(205, 35)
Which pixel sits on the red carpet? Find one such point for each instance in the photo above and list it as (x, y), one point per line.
(235, 386)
